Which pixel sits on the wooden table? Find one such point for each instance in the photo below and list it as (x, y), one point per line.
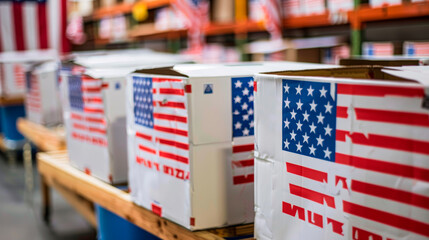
(56, 171)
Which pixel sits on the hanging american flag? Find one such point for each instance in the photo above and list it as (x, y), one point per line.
(161, 119)
(243, 130)
(273, 17)
(87, 110)
(351, 132)
(195, 15)
(33, 24)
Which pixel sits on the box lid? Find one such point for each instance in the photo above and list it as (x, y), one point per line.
(233, 69)
(28, 56)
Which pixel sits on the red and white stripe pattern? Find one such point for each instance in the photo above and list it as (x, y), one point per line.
(378, 49)
(195, 15)
(381, 159)
(87, 108)
(30, 25)
(242, 160)
(273, 17)
(417, 48)
(33, 98)
(160, 108)
(19, 75)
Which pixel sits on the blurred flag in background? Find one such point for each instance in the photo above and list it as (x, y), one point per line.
(33, 24)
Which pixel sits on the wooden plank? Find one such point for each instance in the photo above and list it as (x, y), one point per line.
(44, 138)
(10, 101)
(54, 166)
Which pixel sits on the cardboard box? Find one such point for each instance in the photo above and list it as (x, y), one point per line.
(342, 154)
(381, 49)
(42, 98)
(416, 49)
(292, 8)
(336, 6)
(190, 135)
(223, 11)
(13, 66)
(93, 94)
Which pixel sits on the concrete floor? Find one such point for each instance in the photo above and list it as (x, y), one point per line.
(20, 212)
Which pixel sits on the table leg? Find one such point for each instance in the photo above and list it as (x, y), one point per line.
(46, 200)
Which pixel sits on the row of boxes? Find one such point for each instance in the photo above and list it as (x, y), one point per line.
(328, 151)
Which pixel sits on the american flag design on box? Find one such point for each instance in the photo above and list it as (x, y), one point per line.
(378, 49)
(88, 122)
(243, 126)
(161, 141)
(356, 161)
(33, 101)
(416, 48)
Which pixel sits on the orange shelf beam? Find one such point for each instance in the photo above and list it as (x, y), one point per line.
(319, 20)
(233, 28)
(125, 8)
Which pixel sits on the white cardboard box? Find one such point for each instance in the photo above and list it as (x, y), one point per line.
(93, 96)
(342, 158)
(42, 100)
(13, 66)
(190, 135)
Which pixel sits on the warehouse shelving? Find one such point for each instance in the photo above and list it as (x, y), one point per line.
(355, 18)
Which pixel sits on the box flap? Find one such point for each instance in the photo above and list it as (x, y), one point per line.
(231, 70)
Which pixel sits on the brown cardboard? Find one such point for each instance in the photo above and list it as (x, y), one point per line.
(380, 62)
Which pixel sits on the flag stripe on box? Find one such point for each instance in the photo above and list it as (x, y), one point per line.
(242, 129)
(161, 120)
(362, 133)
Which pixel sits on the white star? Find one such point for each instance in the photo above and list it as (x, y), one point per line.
(244, 106)
(320, 118)
(327, 153)
(238, 84)
(245, 117)
(246, 132)
(306, 137)
(237, 125)
(328, 130)
(237, 99)
(252, 124)
(250, 83)
(299, 104)
(312, 128)
(245, 92)
(310, 91)
(292, 135)
(250, 112)
(298, 125)
(287, 102)
(236, 112)
(286, 144)
(323, 92)
(298, 89)
(251, 98)
(286, 88)
(328, 107)
(298, 147)
(293, 113)
(286, 123)
(312, 149)
(320, 140)
(313, 106)
(305, 115)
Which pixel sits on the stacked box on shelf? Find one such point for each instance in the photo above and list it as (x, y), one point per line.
(342, 154)
(94, 110)
(42, 100)
(381, 49)
(190, 141)
(416, 49)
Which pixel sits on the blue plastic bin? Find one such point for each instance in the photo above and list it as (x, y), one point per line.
(9, 115)
(113, 227)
